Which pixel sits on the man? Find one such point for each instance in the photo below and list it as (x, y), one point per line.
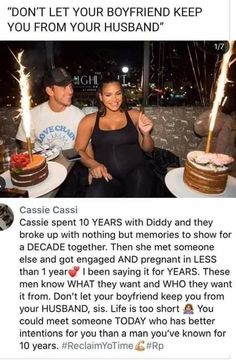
(54, 122)
(223, 135)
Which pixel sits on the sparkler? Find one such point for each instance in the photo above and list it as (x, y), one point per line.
(220, 90)
(25, 100)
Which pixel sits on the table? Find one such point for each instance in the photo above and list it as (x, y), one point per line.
(174, 182)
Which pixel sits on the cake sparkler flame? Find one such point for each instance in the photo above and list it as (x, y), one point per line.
(220, 92)
(24, 100)
(207, 172)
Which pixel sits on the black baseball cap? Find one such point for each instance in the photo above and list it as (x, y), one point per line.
(57, 76)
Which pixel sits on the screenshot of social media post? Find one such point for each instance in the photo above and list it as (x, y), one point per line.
(117, 281)
(117, 180)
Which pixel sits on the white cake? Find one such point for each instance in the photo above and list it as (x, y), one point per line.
(207, 172)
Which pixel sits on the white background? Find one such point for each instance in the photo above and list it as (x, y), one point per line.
(216, 22)
(212, 348)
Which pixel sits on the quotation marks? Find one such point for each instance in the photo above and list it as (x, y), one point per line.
(72, 272)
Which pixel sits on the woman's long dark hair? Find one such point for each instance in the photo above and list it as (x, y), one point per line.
(100, 105)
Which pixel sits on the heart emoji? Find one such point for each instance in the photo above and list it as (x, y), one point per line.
(72, 272)
(76, 268)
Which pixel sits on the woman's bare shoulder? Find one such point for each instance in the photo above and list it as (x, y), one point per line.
(89, 119)
(134, 114)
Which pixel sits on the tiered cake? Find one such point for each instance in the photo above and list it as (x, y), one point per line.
(207, 172)
(26, 173)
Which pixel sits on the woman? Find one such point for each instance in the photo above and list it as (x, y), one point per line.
(119, 136)
(188, 309)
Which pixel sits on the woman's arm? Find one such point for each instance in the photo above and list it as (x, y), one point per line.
(144, 126)
(84, 148)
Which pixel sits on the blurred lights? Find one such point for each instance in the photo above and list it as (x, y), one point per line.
(125, 69)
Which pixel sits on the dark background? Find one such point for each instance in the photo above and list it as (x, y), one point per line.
(181, 72)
